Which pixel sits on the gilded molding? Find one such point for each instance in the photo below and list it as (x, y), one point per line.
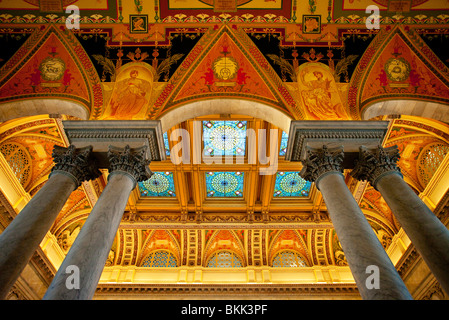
(342, 289)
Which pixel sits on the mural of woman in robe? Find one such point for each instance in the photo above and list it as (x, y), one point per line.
(320, 95)
(131, 95)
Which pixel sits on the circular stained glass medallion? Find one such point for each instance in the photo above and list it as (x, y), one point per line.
(157, 183)
(225, 182)
(224, 137)
(292, 182)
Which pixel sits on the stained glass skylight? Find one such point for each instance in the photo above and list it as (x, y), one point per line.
(284, 140)
(224, 184)
(290, 184)
(225, 138)
(167, 146)
(160, 184)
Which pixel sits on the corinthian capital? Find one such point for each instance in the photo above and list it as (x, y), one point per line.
(321, 161)
(376, 163)
(130, 161)
(79, 164)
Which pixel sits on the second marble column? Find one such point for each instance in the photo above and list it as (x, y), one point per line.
(363, 251)
(78, 276)
(427, 233)
(22, 237)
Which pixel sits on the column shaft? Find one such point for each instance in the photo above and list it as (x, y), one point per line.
(78, 276)
(90, 250)
(427, 233)
(360, 245)
(22, 237)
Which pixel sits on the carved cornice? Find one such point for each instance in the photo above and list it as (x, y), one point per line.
(237, 220)
(16, 294)
(7, 212)
(407, 261)
(324, 135)
(374, 164)
(228, 289)
(442, 209)
(435, 292)
(46, 269)
(102, 133)
(79, 164)
(348, 134)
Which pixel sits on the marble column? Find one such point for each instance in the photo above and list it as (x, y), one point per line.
(22, 237)
(362, 249)
(427, 233)
(78, 276)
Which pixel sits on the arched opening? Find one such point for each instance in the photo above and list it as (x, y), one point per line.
(425, 109)
(33, 107)
(225, 106)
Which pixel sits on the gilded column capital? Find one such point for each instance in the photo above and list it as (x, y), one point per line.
(77, 163)
(132, 162)
(374, 164)
(319, 162)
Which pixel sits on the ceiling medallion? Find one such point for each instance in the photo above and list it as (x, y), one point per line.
(52, 68)
(225, 68)
(397, 69)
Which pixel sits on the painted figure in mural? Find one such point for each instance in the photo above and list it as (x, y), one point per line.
(318, 98)
(130, 97)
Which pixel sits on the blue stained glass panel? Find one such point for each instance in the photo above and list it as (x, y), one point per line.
(225, 138)
(224, 184)
(166, 145)
(284, 140)
(160, 184)
(290, 184)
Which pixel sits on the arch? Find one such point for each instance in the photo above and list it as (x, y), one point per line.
(226, 240)
(288, 240)
(32, 107)
(156, 240)
(420, 108)
(225, 106)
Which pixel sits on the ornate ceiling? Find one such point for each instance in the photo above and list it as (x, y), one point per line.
(309, 60)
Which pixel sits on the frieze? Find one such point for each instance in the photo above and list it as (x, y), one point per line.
(234, 289)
